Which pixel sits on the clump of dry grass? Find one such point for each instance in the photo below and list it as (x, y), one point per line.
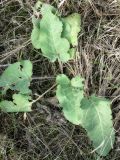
(46, 134)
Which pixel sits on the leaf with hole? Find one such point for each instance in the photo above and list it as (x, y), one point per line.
(21, 103)
(17, 77)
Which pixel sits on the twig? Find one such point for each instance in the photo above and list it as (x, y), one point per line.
(34, 101)
(42, 78)
(4, 65)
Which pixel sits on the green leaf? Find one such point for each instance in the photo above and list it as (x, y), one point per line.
(70, 97)
(53, 45)
(71, 28)
(62, 80)
(17, 77)
(77, 82)
(48, 37)
(20, 104)
(97, 120)
(72, 52)
(35, 35)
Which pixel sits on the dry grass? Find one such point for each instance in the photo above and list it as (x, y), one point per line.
(45, 134)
